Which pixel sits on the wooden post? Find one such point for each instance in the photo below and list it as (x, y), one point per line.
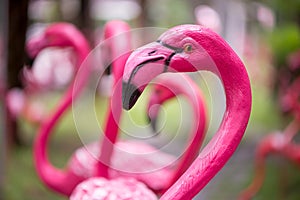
(143, 18)
(17, 26)
(84, 21)
(3, 39)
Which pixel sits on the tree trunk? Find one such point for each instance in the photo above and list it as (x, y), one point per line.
(3, 39)
(17, 26)
(84, 21)
(143, 18)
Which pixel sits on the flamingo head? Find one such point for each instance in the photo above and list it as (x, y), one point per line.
(158, 96)
(55, 35)
(176, 50)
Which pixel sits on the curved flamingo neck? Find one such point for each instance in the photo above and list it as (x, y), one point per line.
(197, 134)
(238, 107)
(53, 177)
(182, 85)
(116, 32)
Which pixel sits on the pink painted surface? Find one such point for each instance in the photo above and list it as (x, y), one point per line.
(120, 47)
(189, 48)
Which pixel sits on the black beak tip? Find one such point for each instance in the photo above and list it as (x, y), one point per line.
(130, 95)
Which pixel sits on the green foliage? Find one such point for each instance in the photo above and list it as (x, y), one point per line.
(281, 182)
(284, 40)
(22, 181)
(264, 113)
(286, 10)
(168, 13)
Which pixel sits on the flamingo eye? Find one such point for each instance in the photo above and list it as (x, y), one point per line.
(188, 48)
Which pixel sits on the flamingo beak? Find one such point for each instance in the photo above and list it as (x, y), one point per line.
(142, 66)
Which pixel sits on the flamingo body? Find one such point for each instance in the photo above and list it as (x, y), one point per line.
(99, 188)
(149, 166)
(59, 35)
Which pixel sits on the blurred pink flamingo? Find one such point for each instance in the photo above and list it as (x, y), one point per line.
(62, 35)
(19, 105)
(278, 142)
(165, 88)
(52, 69)
(189, 48)
(275, 143)
(99, 188)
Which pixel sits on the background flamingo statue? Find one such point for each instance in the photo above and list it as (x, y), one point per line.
(189, 48)
(52, 69)
(62, 35)
(278, 142)
(164, 89)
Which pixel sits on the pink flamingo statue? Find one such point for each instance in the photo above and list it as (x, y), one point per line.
(164, 89)
(83, 164)
(39, 78)
(189, 48)
(62, 35)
